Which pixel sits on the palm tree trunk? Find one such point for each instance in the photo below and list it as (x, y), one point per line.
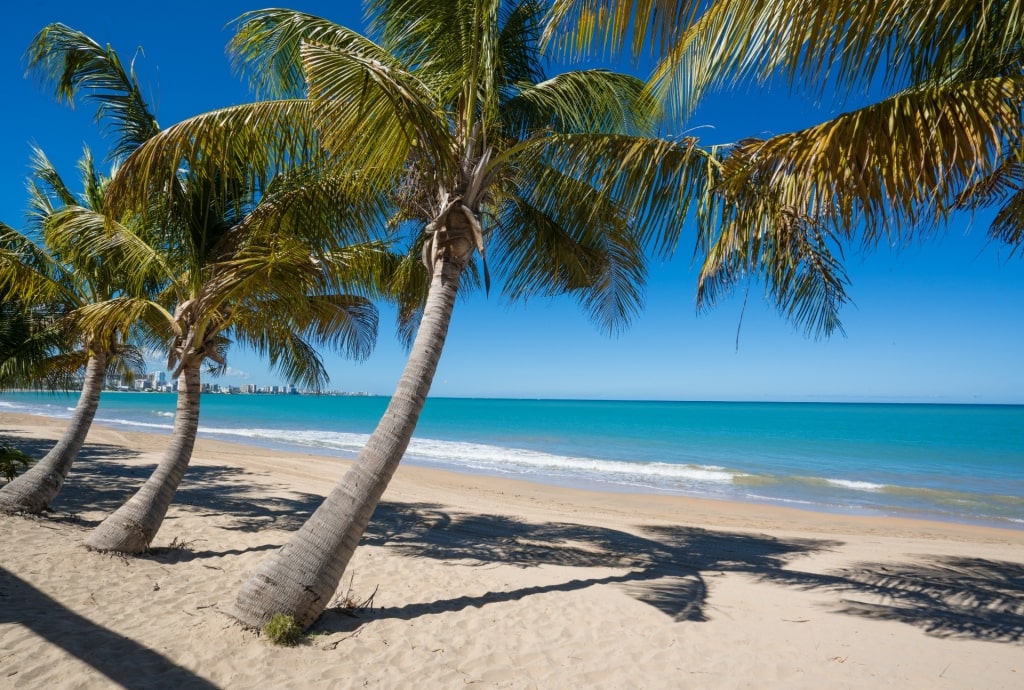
(33, 491)
(131, 528)
(300, 578)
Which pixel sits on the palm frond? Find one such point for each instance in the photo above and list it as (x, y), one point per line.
(884, 168)
(796, 257)
(591, 101)
(372, 116)
(610, 26)
(266, 46)
(655, 182)
(71, 62)
(250, 142)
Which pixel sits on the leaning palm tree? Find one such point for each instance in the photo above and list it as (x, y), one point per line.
(54, 280)
(213, 256)
(940, 130)
(446, 114)
(58, 274)
(241, 268)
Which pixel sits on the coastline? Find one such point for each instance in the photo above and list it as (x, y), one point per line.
(502, 583)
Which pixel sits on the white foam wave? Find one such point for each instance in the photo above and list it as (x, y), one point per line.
(131, 422)
(488, 458)
(856, 485)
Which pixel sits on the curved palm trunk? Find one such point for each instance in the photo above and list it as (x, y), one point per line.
(131, 528)
(300, 578)
(33, 491)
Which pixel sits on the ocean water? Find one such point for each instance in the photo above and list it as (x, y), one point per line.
(962, 463)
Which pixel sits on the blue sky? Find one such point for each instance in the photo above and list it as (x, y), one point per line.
(937, 322)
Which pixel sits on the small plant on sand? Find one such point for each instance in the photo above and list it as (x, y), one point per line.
(12, 461)
(348, 604)
(283, 630)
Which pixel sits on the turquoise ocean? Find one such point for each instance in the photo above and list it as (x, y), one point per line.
(962, 463)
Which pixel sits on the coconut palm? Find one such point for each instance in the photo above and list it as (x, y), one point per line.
(213, 257)
(940, 130)
(57, 276)
(244, 271)
(446, 114)
(54, 281)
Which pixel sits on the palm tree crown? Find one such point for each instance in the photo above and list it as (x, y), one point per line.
(447, 120)
(940, 130)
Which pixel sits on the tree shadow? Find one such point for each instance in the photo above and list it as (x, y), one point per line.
(664, 566)
(946, 596)
(34, 447)
(124, 661)
(103, 484)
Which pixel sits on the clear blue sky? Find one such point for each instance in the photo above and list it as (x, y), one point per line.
(939, 322)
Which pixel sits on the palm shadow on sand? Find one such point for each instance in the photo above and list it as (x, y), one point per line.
(104, 650)
(664, 566)
(946, 596)
(668, 567)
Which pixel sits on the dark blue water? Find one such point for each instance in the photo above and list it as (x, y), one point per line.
(954, 462)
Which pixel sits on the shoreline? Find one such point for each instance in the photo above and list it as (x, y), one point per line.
(500, 583)
(581, 483)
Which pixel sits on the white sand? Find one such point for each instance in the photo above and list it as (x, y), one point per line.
(494, 583)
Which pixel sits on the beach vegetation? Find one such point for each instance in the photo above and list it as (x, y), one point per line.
(489, 167)
(214, 257)
(30, 337)
(48, 278)
(284, 630)
(12, 461)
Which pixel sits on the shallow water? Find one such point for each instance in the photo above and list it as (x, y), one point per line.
(953, 462)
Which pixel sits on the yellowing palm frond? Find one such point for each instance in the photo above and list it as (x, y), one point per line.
(885, 165)
(248, 142)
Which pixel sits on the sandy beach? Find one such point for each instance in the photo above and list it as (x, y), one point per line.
(467, 580)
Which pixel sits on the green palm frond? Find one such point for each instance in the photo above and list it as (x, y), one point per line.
(797, 258)
(71, 62)
(30, 342)
(248, 142)
(289, 337)
(519, 46)
(816, 44)
(609, 26)
(372, 116)
(655, 182)
(266, 47)
(1004, 189)
(453, 47)
(600, 266)
(106, 321)
(345, 323)
(1008, 225)
(591, 101)
(51, 191)
(30, 274)
(325, 208)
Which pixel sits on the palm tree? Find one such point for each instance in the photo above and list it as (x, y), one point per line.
(210, 258)
(54, 281)
(59, 276)
(943, 134)
(448, 117)
(239, 268)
